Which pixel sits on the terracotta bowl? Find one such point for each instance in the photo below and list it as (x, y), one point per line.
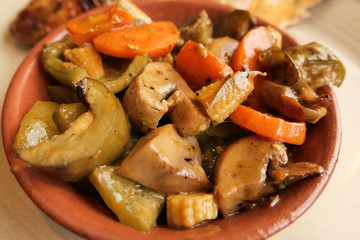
(88, 216)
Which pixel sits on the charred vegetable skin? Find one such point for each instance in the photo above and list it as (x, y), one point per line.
(104, 130)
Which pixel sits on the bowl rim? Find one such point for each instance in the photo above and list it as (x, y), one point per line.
(28, 177)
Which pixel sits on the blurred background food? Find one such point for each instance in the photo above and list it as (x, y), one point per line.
(40, 17)
(281, 13)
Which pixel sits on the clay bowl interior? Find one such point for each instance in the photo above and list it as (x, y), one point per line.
(88, 216)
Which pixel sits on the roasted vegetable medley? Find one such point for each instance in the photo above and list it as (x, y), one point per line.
(191, 121)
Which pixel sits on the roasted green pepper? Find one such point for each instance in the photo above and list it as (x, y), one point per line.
(66, 113)
(37, 126)
(95, 138)
(134, 205)
(118, 83)
(287, 103)
(52, 58)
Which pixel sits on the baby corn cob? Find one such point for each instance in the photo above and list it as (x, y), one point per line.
(187, 210)
(86, 57)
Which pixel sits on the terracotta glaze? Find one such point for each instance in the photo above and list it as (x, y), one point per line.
(88, 216)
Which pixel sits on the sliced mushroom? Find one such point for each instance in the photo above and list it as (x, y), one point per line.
(287, 103)
(166, 162)
(282, 176)
(252, 168)
(240, 174)
(95, 138)
(145, 100)
(223, 48)
(187, 115)
(293, 172)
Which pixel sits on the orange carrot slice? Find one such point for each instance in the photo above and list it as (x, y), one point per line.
(245, 58)
(85, 29)
(157, 39)
(198, 66)
(269, 126)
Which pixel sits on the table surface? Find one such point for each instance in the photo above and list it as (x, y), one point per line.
(334, 215)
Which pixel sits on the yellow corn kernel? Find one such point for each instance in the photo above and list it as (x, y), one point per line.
(87, 58)
(187, 210)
